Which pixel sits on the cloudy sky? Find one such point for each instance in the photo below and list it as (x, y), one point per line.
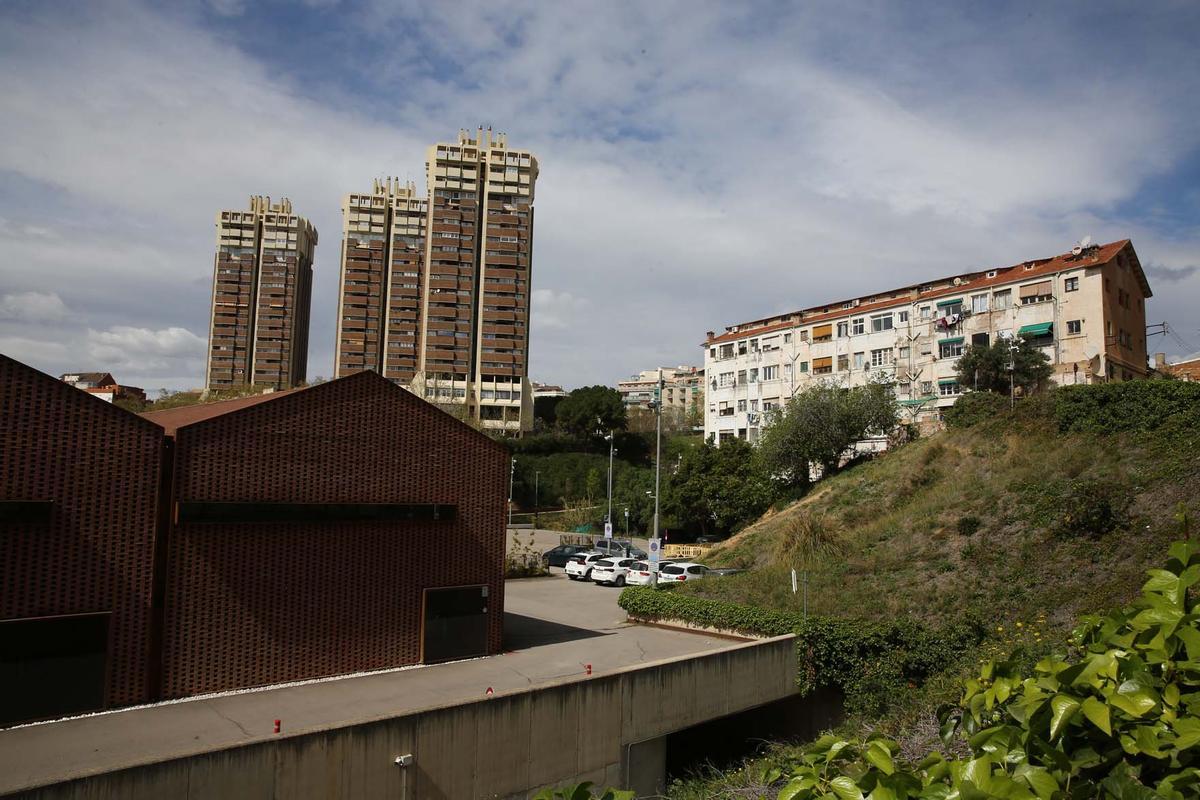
(701, 163)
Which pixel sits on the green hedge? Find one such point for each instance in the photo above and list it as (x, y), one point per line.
(1129, 406)
(870, 662)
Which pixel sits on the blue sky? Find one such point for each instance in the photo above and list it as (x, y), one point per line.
(702, 164)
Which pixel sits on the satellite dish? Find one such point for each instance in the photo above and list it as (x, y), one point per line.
(958, 281)
(1076, 250)
(1090, 352)
(1085, 241)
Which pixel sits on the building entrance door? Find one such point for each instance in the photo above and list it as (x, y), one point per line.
(455, 624)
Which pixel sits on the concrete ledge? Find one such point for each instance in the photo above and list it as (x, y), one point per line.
(507, 745)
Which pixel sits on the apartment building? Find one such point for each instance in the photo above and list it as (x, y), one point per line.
(262, 295)
(1085, 309)
(382, 280)
(440, 301)
(104, 386)
(683, 388)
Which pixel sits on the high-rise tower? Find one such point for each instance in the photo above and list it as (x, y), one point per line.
(383, 253)
(465, 253)
(262, 294)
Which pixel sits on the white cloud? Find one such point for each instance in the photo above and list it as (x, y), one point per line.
(700, 166)
(35, 307)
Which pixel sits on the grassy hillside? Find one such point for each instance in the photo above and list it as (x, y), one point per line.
(1003, 520)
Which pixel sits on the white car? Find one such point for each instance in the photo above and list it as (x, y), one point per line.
(639, 573)
(579, 566)
(612, 570)
(681, 571)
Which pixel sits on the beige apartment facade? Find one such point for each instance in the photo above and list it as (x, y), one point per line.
(683, 389)
(261, 298)
(436, 295)
(1084, 309)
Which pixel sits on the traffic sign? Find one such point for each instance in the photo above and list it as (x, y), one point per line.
(608, 530)
(654, 554)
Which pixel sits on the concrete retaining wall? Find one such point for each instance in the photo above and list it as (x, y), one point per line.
(505, 746)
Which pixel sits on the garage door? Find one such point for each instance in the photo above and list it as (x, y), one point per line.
(455, 623)
(52, 666)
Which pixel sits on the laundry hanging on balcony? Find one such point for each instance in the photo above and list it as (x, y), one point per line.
(948, 321)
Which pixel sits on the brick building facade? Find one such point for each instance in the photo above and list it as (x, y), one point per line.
(345, 527)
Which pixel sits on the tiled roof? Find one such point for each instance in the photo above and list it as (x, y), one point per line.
(969, 282)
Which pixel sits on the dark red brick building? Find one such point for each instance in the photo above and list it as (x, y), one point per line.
(79, 492)
(344, 527)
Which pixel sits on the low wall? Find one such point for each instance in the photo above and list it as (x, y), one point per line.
(505, 746)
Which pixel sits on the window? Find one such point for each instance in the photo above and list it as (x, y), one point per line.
(948, 308)
(979, 304)
(804, 366)
(771, 404)
(822, 366)
(804, 336)
(843, 363)
(726, 351)
(949, 389)
(902, 316)
(1071, 285)
(926, 388)
(881, 358)
(905, 387)
(1036, 292)
(822, 333)
(1074, 327)
(726, 409)
(741, 406)
(904, 352)
(858, 326)
(726, 379)
(712, 353)
(951, 348)
(843, 330)
(1002, 299)
(881, 322)
(858, 360)
(770, 343)
(787, 338)
(754, 376)
(741, 377)
(770, 373)
(926, 312)
(741, 348)
(754, 345)
(754, 405)
(979, 340)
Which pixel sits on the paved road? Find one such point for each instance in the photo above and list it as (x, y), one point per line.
(553, 628)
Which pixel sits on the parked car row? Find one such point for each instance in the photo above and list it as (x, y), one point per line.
(602, 568)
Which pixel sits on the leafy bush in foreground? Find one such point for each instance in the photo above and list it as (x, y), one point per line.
(1118, 719)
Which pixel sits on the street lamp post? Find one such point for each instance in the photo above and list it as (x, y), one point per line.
(512, 473)
(657, 447)
(536, 475)
(611, 442)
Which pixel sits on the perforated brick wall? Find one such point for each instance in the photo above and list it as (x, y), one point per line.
(99, 465)
(255, 604)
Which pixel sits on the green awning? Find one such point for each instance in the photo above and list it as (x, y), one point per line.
(947, 381)
(949, 302)
(1040, 329)
(916, 401)
(952, 340)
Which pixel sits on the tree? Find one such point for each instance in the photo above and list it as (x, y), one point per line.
(985, 367)
(544, 412)
(820, 424)
(718, 488)
(591, 408)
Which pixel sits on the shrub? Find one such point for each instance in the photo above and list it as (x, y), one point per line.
(967, 526)
(872, 663)
(1129, 406)
(1092, 508)
(975, 407)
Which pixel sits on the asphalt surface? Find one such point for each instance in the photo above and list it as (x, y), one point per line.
(553, 628)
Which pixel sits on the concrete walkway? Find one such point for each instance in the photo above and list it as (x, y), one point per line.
(553, 627)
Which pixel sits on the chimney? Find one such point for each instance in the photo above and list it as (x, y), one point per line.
(1160, 361)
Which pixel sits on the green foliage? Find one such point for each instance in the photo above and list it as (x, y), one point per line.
(583, 791)
(975, 407)
(821, 423)
(1117, 718)
(872, 663)
(1092, 508)
(985, 367)
(717, 489)
(589, 409)
(1128, 406)
(808, 539)
(545, 412)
